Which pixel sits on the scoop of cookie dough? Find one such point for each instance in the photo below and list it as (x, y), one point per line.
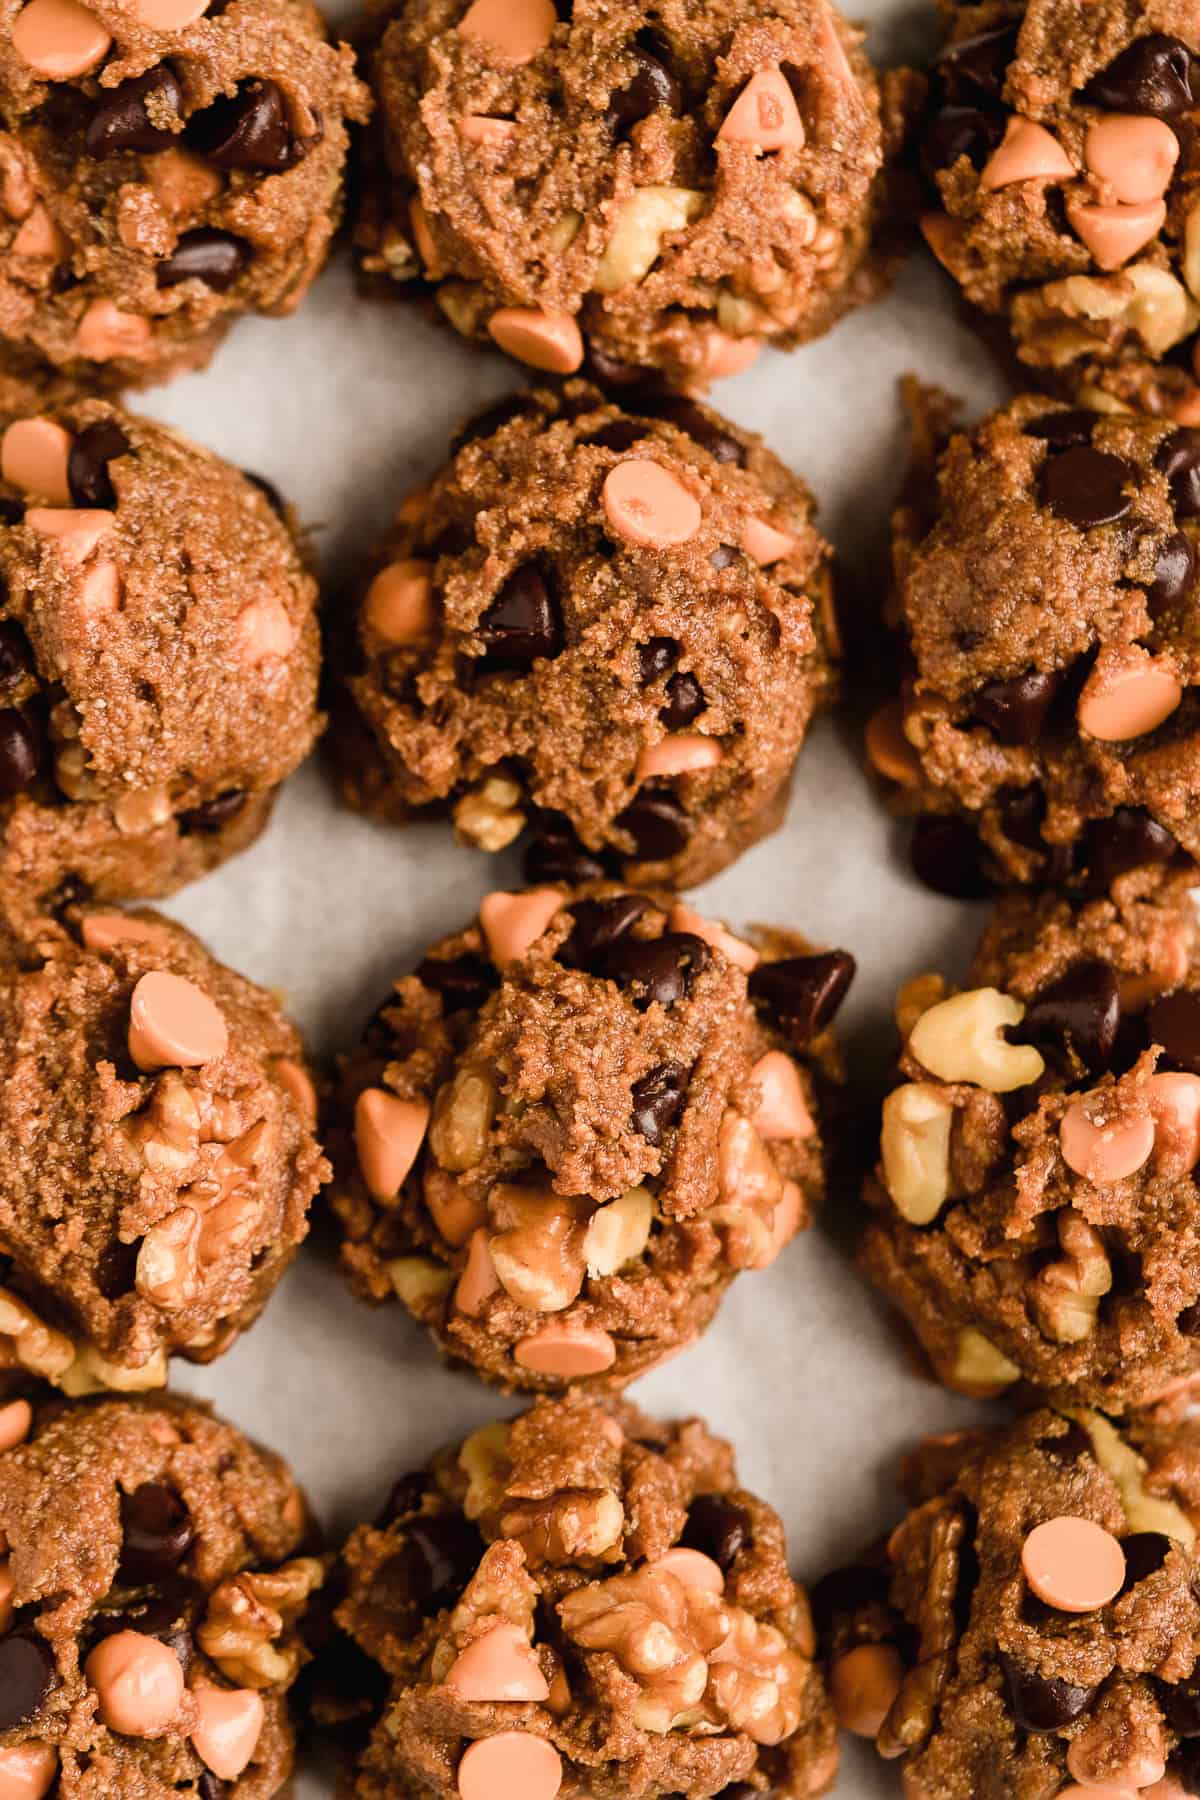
(668, 187)
(158, 656)
(1062, 152)
(1031, 1627)
(569, 1129)
(1036, 1207)
(1048, 598)
(157, 1157)
(611, 624)
(152, 1589)
(163, 168)
(585, 1598)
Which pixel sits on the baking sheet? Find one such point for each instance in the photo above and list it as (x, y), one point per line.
(345, 407)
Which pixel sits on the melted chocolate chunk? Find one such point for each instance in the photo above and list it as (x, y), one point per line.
(1079, 1013)
(1174, 571)
(717, 1528)
(803, 993)
(599, 924)
(618, 437)
(248, 130)
(87, 465)
(1043, 1703)
(213, 815)
(1017, 710)
(656, 656)
(694, 422)
(1087, 487)
(685, 702)
(978, 63)
(1179, 459)
(656, 971)
(658, 1101)
(651, 87)
(1127, 840)
(123, 121)
(27, 1674)
(556, 855)
(959, 131)
(523, 623)
(20, 753)
(1174, 1024)
(1145, 1554)
(1180, 1702)
(1065, 429)
(844, 1592)
(463, 982)
(215, 258)
(441, 1553)
(657, 824)
(1155, 75)
(946, 855)
(156, 1532)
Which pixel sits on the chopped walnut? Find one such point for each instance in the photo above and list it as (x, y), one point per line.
(499, 1589)
(1066, 1295)
(568, 1528)
(490, 815)
(462, 1117)
(661, 1634)
(28, 1343)
(247, 1615)
(757, 1680)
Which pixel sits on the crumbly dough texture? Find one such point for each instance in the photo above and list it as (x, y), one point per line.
(1091, 268)
(1079, 1278)
(562, 1515)
(188, 175)
(604, 198)
(141, 1214)
(1046, 594)
(567, 1094)
(997, 1688)
(158, 672)
(516, 711)
(68, 1495)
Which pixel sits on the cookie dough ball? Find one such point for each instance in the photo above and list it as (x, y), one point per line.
(157, 1157)
(569, 1129)
(1030, 1628)
(610, 624)
(1048, 592)
(158, 656)
(164, 166)
(585, 1598)
(1037, 1210)
(664, 187)
(152, 1589)
(1063, 160)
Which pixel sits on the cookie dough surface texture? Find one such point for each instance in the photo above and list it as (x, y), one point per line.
(157, 1157)
(152, 1591)
(163, 167)
(668, 188)
(1047, 594)
(1031, 1627)
(1061, 149)
(159, 655)
(1036, 1207)
(512, 1592)
(565, 1134)
(609, 624)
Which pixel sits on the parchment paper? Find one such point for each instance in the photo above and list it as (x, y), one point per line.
(345, 407)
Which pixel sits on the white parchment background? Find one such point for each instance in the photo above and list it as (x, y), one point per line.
(345, 407)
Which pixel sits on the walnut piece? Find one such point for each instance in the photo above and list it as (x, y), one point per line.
(1066, 1295)
(247, 1615)
(462, 1117)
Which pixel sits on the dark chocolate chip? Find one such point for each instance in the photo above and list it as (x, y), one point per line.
(1180, 1702)
(463, 982)
(441, 1553)
(247, 130)
(656, 656)
(207, 255)
(717, 1528)
(694, 422)
(1174, 571)
(11, 511)
(1174, 1024)
(1189, 1320)
(20, 753)
(27, 1674)
(1065, 429)
(803, 993)
(211, 1786)
(1079, 1012)
(1017, 710)
(656, 971)
(156, 1534)
(15, 657)
(1021, 813)
(116, 1268)
(1086, 486)
(523, 623)
(556, 855)
(685, 701)
(979, 63)
(1040, 1702)
(1185, 1766)
(1179, 459)
(598, 925)
(123, 120)
(610, 371)
(651, 87)
(87, 465)
(959, 131)
(405, 1498)
(1155, 75)
(618, 437)
(1145, 1554)
(657, 824)
(1127, 840)
(658, 1101)
(946, 855)
(213, 815)
(168, 1614)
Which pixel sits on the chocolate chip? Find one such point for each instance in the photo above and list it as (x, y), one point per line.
(657, 824)
(1185, 1766)
(1173, 572)
(959, 131)
(11, 511)
(685, 701)
(610, 371)
(27, 1674)
(211, 1786)
(441, 1553)
(1080, 1012)
(1179, 459)
(156, 1534)
(694, 422)
(844, 1592)
(656, 971)
(87, 465)
(658, 1101)
(1180, 1702)
(1086, 486)
(247, 130)
(1174, 1024)
(168, 1614)
(15, 658)
(717, 1528)
(1188, 1321)
(1145, 1554)
(1040, 1702)
(116, 1268)
(523, 623)
(598, 925)
(620, 436)
(1066, 429)
(1021, 813)
(213, 257)
(979, 62)
(463, 982)
(1127, 840)
(803, 993)
(651, 87)
(1155, 75)
(212, 815)
(556, 855)
(19, 753)
(123, 120)
(1017, 710)
(946, 855)
(405, 1498)
(656, 656)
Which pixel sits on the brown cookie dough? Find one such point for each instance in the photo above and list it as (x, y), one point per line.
(1048, 598)
(589, 1598)
(1063, 155)
(1031, 1627)
(664, 188)
(151, 1591)
(157, 1157)
(163, 168)
(159, 654)
(570, 1128)
(1037, 1209)
(610, 625)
